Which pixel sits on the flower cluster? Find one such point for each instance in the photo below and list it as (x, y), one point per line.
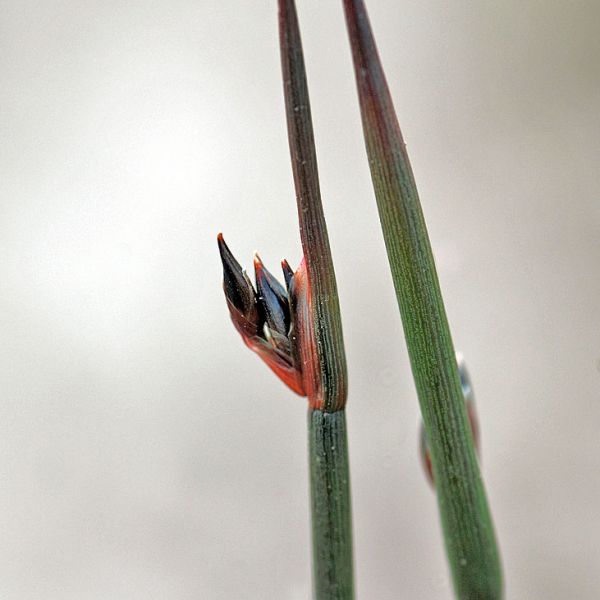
(274, 321)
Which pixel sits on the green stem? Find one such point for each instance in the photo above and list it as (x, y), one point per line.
(331, 511)
(466, 520)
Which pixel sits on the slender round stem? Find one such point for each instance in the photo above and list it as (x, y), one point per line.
(331, 511)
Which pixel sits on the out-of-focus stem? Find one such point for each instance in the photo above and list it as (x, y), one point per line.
(466, 521)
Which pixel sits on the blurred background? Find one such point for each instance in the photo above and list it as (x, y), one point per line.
(144, 451)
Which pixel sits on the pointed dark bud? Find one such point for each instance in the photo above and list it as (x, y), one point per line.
(272, 299)
(241, 297)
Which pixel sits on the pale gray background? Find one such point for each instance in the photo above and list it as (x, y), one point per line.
(144, 452)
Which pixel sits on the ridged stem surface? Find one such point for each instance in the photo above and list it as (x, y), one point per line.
(468, 531)
(330, 510)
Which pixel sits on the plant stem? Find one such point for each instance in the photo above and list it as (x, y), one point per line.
(330, 504)
(328, 447)
(466, 521)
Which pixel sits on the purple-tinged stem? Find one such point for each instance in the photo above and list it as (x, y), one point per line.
(313, 229)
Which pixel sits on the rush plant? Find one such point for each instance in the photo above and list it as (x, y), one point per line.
(296, 330)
